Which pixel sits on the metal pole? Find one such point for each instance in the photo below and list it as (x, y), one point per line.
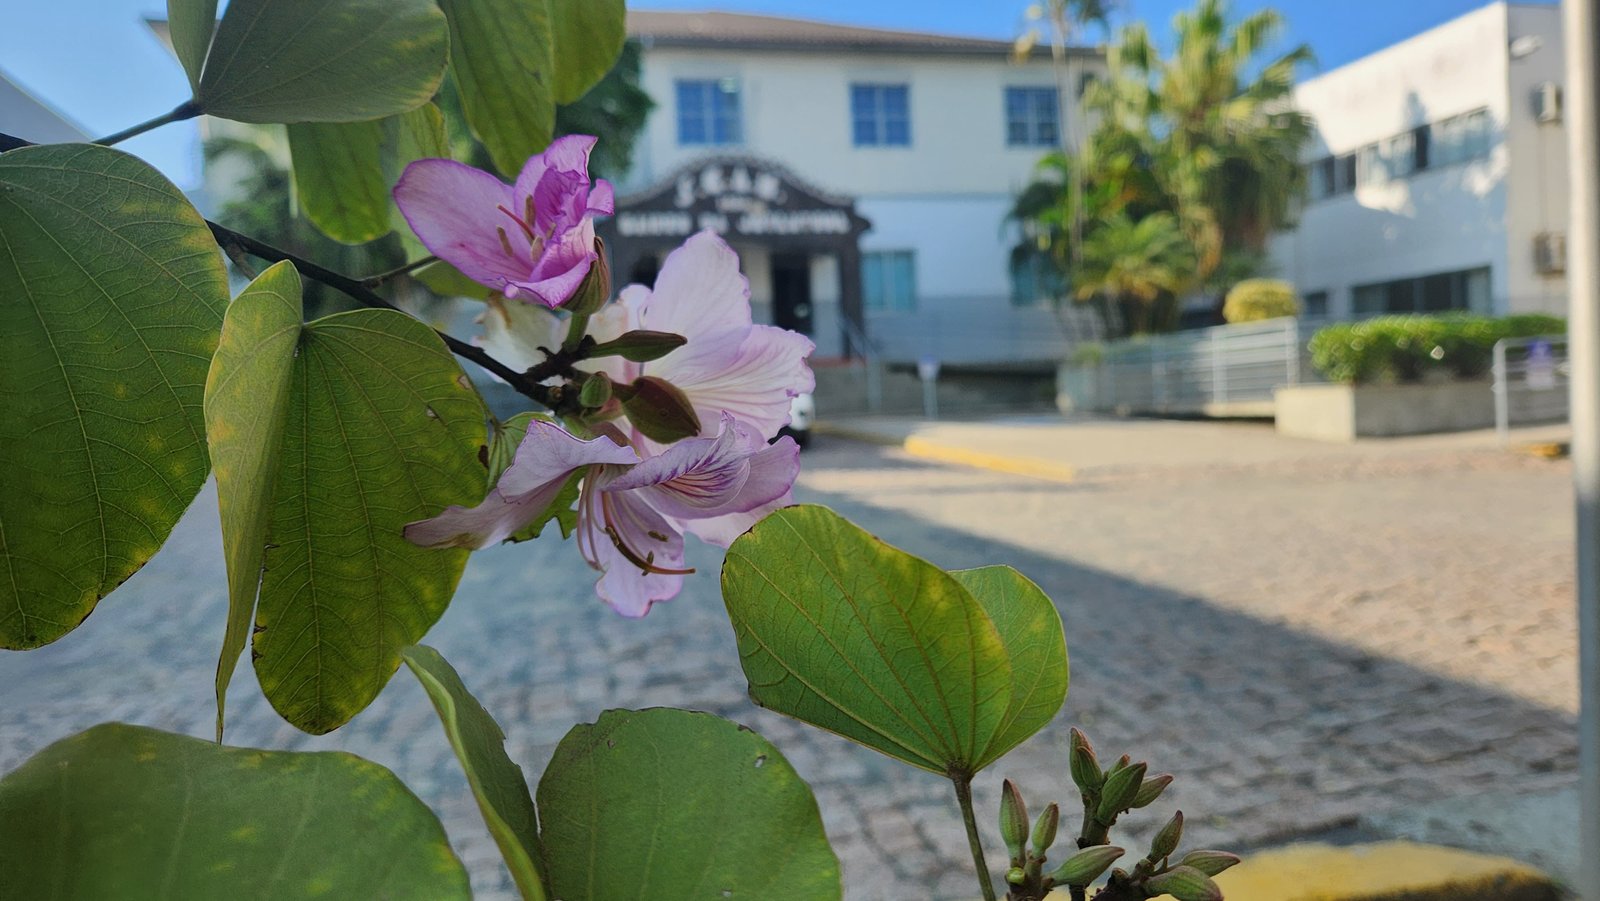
(1581, 24)
(1502, 393)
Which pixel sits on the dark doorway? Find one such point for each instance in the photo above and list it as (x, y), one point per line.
(791, 291)
(644, 271)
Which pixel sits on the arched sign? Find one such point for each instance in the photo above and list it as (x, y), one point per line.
(739, 197)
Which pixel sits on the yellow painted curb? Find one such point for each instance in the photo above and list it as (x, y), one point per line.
(1387, 871)
(1017, 466)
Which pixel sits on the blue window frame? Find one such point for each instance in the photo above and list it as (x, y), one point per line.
(1033, 117)
(708, 112)
(880, 115)
(889, 280)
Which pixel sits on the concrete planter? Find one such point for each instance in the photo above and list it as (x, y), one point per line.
(1348, 412)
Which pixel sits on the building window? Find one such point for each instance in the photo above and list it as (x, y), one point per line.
(1462, 139)
(880, 115)
(1438, 293)
(1034, 280)
(889, 280)
(1033, 117)
(1314, 305)
(1458, 139)
(708, 112)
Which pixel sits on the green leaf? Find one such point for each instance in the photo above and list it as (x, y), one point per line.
(505, 85)
(343, 171)
(324, 60)
(446, 280)
(134, 813)
(842, 631)
(497, 783)
(383, 429)
(588, 38)
(503, 441)
(246, 404)
(190, 24)
(111, 296)
(672, 804)
(1030, 627)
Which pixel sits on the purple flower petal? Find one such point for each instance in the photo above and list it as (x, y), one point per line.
(455, 211)
(602, 198)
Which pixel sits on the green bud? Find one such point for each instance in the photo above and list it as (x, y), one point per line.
(1015, 876)
(595, 290)
(1151, 789)
(1013, 821)
(639, 345)
(658, 409)
(1122, 763)
(1209, 862)
(1085, 767)
(1044, 830)
(1183, 883)
(1166, 841)
(596, 391)
(1121, 788)
(1083, 868)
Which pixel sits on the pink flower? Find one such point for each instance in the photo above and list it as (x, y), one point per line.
(547, 457)
(730, 364)
(631, 519)
(533, 238)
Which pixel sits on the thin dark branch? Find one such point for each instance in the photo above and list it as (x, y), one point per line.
(373, 281)
(186, 110)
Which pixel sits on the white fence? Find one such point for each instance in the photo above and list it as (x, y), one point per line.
(1223, 370)
(1530, 381)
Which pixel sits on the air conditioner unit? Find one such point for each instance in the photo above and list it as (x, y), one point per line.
(1550, 253)
(1547, 102)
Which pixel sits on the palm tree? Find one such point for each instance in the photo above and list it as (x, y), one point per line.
(1140, 266)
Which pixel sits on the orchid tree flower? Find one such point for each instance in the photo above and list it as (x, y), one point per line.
(532, 240)
(631, 519)
(543, 463)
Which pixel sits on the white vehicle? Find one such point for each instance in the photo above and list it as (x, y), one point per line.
(802, 410)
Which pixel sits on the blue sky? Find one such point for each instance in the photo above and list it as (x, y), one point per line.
(96, 61)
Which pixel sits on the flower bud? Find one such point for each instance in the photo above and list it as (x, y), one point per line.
(1044, 831)
(596, 391)
(1209, 862)
(639, 345)
(1085, 767)
(1015, 876)
(1166, 841)
(1184, 883)
(658, 409)
(1121, 788)
(1013, 821)
(1151, 789)
(595, 289)
(1083, 868)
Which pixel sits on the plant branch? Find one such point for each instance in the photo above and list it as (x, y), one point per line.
(964, 799)
(185, 110)
(373, 281)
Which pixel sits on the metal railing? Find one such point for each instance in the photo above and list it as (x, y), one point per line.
(1530, 382)
(871, 358)
(1221, 370)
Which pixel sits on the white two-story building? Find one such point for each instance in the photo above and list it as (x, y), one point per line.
(863, 175)
(1438, 176)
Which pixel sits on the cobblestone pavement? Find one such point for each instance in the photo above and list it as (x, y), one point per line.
(1299, 642)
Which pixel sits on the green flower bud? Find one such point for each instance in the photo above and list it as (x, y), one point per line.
(1209, 862)
(658, 409)
(1083, 868)
(596, 391)
(1015, 876)
(1166, 841)
(1013, 821)
(1085, 767)
(1151, 789)
(1183, 883)
(639, 345)
(1120, 790)
(1044, 830)
(595, 290)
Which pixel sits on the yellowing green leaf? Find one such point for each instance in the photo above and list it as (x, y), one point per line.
(343, 171)
(133, 814)
(246, 403)
(111, 296)
(588, 37)
(506, 85)
(662, 803)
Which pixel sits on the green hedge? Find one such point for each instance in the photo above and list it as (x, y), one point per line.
(1406, 348)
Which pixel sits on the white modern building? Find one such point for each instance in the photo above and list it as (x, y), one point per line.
(26, 116)
(864, 176)
(1438, 175)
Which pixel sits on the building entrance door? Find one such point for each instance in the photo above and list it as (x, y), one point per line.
(791, 292)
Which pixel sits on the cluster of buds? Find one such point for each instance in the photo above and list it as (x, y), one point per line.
(1107, 794)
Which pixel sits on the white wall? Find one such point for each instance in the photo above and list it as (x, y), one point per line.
(1537, 196)
(1443, 219)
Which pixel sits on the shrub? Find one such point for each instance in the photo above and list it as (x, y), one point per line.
(1407, 348)
(1255, 299)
